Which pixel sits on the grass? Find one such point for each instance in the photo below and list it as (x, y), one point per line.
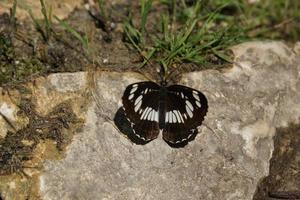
(177, 43)
(201, 32)
(13, 12)
(45, 26)
(102, 9)
(263, 19)
(185, 32)
(82, 38)
(145, 8)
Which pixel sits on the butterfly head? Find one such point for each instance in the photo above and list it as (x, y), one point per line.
(163, 83)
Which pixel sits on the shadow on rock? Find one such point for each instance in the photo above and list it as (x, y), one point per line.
(124, 126)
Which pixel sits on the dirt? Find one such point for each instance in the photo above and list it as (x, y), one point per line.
(21, 44)
(18, 147)
(23, 151)
(31, 52)
(284, 179)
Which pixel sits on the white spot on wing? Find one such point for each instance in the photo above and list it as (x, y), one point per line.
(182, 95)
(181, 117)
(138, 100)
(133, 90)
(189, 112)
(170, 117)
(196, 95)
(138, 106)
(131, 96)
(174, 115)
(150, 114)
(189, 105)
(144, 113)
(174, 118)
(185, 117)
(177, 113)
(198, 104)
(153, 116)
(156, 116)
(167, 117)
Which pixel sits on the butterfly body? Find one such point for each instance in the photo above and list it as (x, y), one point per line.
(162, 106)
(174, 110)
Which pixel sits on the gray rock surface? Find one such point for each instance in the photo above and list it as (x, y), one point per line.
(226, 160)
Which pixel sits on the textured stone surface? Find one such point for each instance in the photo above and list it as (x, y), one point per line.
(46, 93)
(226, 160)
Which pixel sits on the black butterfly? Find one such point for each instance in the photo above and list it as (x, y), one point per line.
(175, 110)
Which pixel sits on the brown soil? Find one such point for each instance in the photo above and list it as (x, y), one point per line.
(30, 54)
(18, 147)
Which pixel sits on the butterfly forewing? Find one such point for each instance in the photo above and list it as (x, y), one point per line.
(140, 102)
(184, 112)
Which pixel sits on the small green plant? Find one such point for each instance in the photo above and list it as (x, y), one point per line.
(145, 8)
(260, 19)
(45, 27)
(7, 53)
(136, 35)
(194, 41)
(82, 38)
(200, 32)
(102, 9)
(13, 12)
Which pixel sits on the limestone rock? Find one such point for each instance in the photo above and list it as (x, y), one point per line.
(226, 160)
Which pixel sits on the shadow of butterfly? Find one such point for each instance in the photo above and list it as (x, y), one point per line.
(175, 111)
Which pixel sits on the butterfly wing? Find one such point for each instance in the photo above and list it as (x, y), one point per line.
(184, 112)
(140, 102)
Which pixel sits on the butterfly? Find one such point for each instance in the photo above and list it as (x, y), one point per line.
(175, 111)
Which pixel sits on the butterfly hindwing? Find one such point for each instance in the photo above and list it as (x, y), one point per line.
(184, 112)
(140, 102)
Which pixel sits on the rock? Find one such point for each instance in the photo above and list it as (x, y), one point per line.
(297, 48)
(227, 159)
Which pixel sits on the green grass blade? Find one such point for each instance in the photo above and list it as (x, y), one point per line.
(102, 9)
(13, 12)
(83, 39)
(133, 35)
(148, 57)
(37, 24)
(46, 19)
(145, 8)
(221, 55)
